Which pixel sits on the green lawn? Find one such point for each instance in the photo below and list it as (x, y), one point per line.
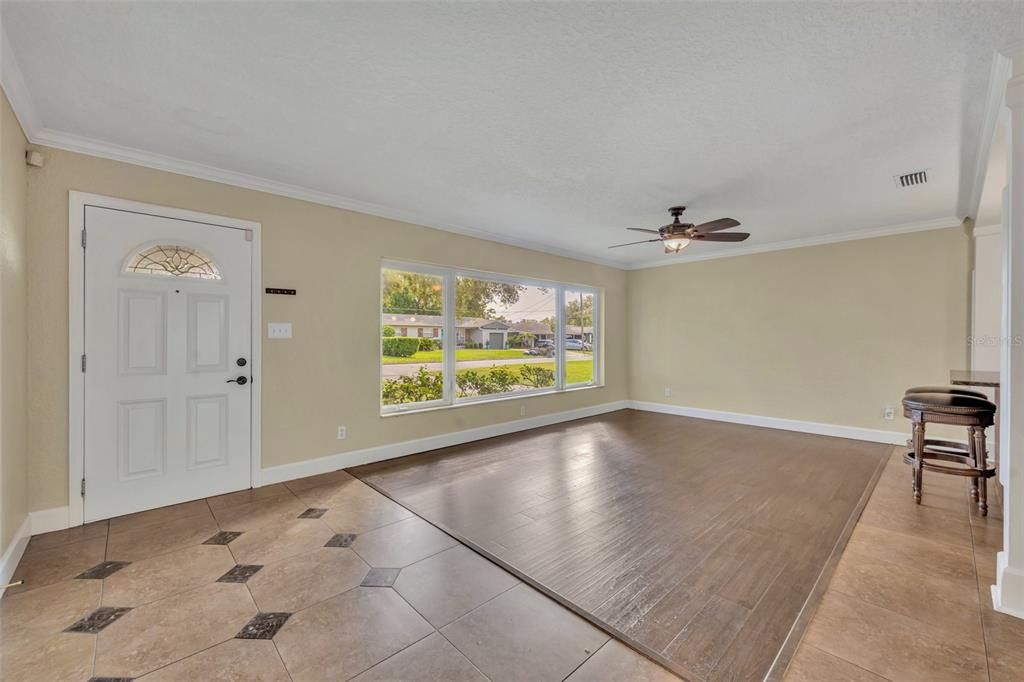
(460, 354)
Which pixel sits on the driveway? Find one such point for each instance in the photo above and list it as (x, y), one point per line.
(413, 367)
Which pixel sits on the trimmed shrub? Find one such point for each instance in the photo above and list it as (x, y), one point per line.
(418, 388)
(427, 344)
(486, 382)
(387, 331)
(400, 346)
(536, 376)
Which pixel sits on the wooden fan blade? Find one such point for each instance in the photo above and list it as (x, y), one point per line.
(716, 225)
(646, 241)
(643, 229)
(724, 237)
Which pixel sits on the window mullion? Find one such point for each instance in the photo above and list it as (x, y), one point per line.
(559, 337)
(448, 342)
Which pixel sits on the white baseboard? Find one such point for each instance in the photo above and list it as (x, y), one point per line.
(322, 465)
(836, 430)
(46, 520)
(14, 551)
(35, 523)
(1010, 579)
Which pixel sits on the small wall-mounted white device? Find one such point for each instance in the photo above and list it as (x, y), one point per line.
(34, 158)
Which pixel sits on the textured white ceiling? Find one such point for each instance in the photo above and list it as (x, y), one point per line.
(554, 125)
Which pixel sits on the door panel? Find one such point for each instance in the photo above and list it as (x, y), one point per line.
(142, 438)
(207, 431)
(167, 315)
(207, 333)
(142, 332)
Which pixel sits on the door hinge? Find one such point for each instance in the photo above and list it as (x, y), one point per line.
(83, 238)
(83, 487)
(83, 362)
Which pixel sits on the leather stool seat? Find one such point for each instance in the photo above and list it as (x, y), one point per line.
(946, 389)
(951, 404)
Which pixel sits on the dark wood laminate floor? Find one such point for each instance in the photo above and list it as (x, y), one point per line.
(697, 542)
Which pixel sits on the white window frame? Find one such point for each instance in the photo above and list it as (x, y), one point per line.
(449, 276)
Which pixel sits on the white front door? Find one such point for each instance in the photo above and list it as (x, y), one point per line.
(168, 358)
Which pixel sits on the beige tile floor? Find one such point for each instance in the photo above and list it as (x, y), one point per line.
(168, 612)
(909, 599)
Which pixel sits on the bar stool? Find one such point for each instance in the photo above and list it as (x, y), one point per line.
(939, 446)
(956, 407)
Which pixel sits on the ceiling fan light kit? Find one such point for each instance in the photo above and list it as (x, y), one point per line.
(677, 235)
(675, 245)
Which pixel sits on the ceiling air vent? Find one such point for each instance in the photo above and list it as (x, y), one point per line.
(910, 179)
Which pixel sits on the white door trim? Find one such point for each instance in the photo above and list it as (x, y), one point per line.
(77, 202)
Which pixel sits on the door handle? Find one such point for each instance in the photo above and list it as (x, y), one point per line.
(241, 381)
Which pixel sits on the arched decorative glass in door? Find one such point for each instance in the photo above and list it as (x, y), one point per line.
(172, 260)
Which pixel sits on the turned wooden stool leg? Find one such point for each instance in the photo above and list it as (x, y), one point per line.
(980, 459)
(972, 451)
(918, 457)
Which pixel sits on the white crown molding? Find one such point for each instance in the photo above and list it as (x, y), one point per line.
(83, 145)
(21, 101)
(849, 236)
(972, 185)
(17, 91)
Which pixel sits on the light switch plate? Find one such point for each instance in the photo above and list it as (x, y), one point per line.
(279, 330)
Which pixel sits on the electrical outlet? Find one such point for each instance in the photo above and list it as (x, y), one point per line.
(889, 413)
(522, 410)
(668, 392)
(342, 433)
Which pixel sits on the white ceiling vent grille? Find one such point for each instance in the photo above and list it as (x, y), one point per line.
(911, 179)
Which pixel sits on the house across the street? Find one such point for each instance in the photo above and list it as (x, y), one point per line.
(539, 331)
(475, 331)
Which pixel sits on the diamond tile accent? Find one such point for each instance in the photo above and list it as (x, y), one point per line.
(102, 570)
(263, 626)
(380, 577)
(240, 573)
(224, 537)
(312, 513)
(342, 540)
(98, 619)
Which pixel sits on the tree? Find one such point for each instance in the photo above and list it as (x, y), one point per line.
(579, 312)
(473, 297)
(550, 322)
(412, 293)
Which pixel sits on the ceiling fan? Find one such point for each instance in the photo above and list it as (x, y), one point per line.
(677, 235)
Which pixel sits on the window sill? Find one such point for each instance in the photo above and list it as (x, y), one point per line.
(488, 400)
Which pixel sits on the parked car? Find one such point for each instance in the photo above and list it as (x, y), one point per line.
(576, 344)
(547, 350)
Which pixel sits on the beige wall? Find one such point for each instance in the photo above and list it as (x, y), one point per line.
(13, 301)
(826, 334)
(327, 375)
